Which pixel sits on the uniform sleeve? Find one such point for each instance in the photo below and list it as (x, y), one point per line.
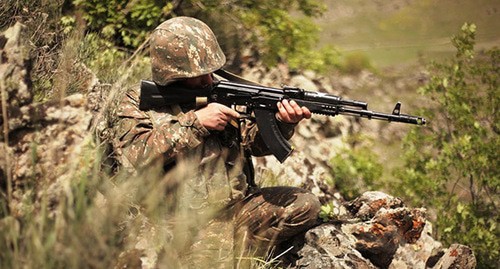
(141, 137)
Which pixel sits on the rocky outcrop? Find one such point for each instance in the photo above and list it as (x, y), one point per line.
(38, 140)
(377, 231)
(41, 144)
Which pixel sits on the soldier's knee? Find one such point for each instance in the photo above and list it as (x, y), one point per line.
(309, 205)
(314, 205)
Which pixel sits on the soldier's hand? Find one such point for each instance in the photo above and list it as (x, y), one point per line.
(291, 112)
(216, 116)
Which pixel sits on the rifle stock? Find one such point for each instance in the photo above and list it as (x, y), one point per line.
(262, 101)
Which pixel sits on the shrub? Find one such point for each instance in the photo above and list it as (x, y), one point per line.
(354, 63)
(356, 171)
(275, 30)
(452, 166)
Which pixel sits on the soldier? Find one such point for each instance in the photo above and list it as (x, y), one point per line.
(184, 51)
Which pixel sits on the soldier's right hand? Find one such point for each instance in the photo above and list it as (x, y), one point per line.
(216, 116)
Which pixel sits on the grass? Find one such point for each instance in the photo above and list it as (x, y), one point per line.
(103, 222)
(98, 220)
(394, 32)
(93, 219)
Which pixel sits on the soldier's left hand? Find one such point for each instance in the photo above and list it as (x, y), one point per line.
(291, 112)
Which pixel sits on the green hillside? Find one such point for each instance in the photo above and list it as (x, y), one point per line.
(390, 32)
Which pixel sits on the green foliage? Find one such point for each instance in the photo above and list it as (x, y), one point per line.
(355, 62)
(31, 13)
(330, 211)
(42, 21)
(320, 61)
(126, 23)
(327, 212)
(279, 35)
(452, 165)
(275, 30)
(101, 56)
(356, 171)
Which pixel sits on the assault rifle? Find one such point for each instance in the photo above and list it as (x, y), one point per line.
(260, 102)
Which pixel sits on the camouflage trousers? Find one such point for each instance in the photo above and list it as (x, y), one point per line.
(260, 222)
(269, 216)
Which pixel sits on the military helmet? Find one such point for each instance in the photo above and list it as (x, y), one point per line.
(184, 47)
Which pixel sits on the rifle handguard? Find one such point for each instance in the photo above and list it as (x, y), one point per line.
(261, 101)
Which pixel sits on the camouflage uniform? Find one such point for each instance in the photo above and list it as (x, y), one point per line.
(174, 135)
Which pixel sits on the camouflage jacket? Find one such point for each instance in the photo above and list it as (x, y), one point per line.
(175, 135)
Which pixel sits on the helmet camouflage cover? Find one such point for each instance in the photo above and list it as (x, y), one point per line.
(184, 47)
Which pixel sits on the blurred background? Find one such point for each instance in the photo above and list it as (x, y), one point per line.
(393, 32)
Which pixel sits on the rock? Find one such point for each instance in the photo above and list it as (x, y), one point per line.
(457, 257)
(327, 246)
(15, 82)
(42, 141)
(377, 226)
(382, 233)
(15, 93)
(303, 82)
(417, 255)
(379, 238)
(369, 203)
